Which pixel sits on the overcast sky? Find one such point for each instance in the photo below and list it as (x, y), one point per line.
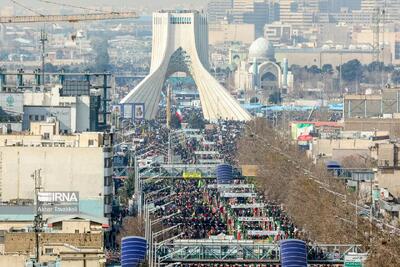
(117, 4)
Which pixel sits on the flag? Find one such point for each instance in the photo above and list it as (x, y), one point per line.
(178, 114)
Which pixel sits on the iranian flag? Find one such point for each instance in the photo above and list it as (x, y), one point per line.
(178, 114)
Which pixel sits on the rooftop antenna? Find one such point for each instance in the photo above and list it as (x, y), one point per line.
(37, 223)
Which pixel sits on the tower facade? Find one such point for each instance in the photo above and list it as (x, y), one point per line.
(180, 44)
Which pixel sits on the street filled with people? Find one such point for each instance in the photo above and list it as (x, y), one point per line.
(193, 202)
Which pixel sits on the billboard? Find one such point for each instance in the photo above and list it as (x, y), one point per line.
(58, 202)
(127, 111)
(12, 103)
(138, 111)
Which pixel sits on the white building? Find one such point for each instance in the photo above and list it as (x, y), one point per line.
(260, 75)
(73, 112)
(81, 162)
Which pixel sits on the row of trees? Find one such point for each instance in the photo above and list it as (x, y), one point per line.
(322, 216)
(349, 73)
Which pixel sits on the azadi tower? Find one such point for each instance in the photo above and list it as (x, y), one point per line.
(180, 44)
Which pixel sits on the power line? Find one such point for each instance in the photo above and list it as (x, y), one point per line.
(27, 8)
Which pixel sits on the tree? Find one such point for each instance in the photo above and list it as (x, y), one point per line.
(395, 77)
(126, 192)
(327, 69)
(352, 71)
(196, 121)
(314, 70)
(275, 98)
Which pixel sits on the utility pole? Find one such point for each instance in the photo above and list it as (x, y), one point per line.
(37, 223)
(43, 40)
(169, 90)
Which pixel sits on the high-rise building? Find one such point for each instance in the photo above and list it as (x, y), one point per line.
(391, 8)
(301, 14)
(257, 12)
(218, 10)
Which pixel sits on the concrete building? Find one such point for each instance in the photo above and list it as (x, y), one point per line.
(278, 33)
(73, 240)
(218, 10)
(302, 15)
(326, 55)
(225, 32)
(391, 39)
(180, 44)
(83, 162)
(373, 112)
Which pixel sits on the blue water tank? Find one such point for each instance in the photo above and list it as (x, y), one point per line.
(293, 253)
(224, 174)
(133, 250)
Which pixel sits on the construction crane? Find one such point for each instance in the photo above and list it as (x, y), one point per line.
(68, 18)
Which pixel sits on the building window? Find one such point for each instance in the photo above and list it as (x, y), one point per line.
(397, 50)
(36, 117)
(108, 200)
(108, 163)
(42, 118)
(46, 136)
(31, 117)
(91, 142)
(107, 181)
(48, 251)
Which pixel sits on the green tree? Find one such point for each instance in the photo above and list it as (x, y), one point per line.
(395, 77)
(126, 192)
(314, 69)
(327, 69)
(352, 71)
(275, 98)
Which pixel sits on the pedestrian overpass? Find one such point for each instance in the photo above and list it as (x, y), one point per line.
(243, 253)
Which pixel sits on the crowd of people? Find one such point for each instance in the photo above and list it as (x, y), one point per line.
(198, 209)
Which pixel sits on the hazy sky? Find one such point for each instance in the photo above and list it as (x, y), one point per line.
(132, 4)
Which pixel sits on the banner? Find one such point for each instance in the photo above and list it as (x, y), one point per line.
(262, 233)
(139, 110)
(231, 186)
(191, 175)
(254, 219)
(247, 206)
(228, 194)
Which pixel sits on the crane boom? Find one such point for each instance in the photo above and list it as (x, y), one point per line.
(68, 18)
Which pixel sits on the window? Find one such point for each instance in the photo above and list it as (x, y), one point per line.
(397, 50)
(36, 117)
(30, 117)
(48, 251)
(108, 163)
(91, 142)
(108, 200)
(46, 136)
(42, 118)
(108, 181)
